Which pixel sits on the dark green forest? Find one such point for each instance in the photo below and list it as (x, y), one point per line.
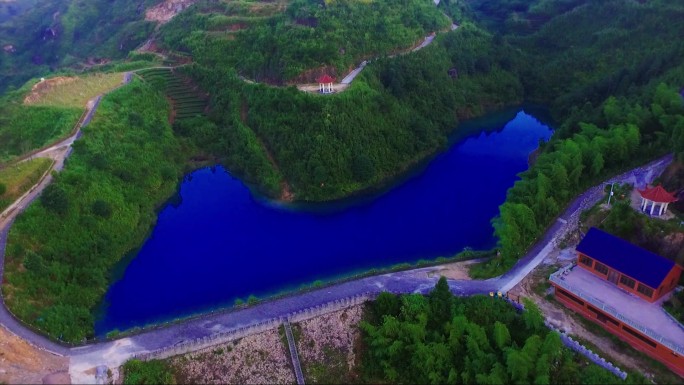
(331, 147)
(59, 35)
(440, 339)
(614, 92)
(265, 44)
(401, 110)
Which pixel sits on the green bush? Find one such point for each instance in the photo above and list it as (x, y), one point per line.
(439, 338)
(136, 372)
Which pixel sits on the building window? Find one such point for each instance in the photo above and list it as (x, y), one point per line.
(639, 336)
(601, 316)
(629, 282)
(601, 268)
(569, 296)
(586, 260)
(645, 290)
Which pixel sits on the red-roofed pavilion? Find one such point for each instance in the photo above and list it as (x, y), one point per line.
(656, 196)
(325, 84)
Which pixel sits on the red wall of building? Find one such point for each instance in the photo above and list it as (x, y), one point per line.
(674, 273)
(660, 352)
(670, 281)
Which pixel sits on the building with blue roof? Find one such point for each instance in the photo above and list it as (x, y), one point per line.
(630, 267)
(622, 287)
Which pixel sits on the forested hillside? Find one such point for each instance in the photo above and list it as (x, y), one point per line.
(610, 72)
(275, 44)
(12, 8)
(60, 34)
(398, 112)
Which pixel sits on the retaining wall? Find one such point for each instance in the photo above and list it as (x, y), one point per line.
(259, 327)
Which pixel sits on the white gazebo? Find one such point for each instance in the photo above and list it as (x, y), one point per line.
(325, 84)
(654, 200)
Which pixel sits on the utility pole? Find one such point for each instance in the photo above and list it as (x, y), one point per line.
(611, 193)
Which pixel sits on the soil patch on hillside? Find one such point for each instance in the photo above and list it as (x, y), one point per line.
(163, 12)
(21, 363)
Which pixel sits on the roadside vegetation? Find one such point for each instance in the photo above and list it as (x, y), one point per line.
(615, 95)
(406, 339)
(17, 179)
(675, 306)
(445, 339)
(25, 128)
(61, 250)
(147, 372)
(42, 112)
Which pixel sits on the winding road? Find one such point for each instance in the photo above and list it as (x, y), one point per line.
(113, 353)
(59, 153)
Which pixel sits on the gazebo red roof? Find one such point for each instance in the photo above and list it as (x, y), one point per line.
(657, 194)
(326, 79)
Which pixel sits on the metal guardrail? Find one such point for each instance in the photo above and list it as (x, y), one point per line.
(555, 278)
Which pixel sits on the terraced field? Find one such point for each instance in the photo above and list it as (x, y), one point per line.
(188, 101)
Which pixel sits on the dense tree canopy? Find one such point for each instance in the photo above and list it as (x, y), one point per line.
(438, 339)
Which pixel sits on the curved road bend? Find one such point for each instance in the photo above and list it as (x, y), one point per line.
(58, 152)
(116, 352)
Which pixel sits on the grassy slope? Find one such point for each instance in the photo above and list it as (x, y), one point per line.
(20, 178)
(74, 91)
(42, 112)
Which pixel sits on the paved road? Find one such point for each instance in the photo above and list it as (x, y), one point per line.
(569, 218)
(427, 41)
(115, 353)
(348, 79)
(58, 152)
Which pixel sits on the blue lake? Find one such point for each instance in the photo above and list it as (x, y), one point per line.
(221, 242)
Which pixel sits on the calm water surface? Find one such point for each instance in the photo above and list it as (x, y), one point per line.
(221, 242)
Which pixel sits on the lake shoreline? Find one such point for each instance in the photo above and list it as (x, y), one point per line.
(216, 227)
